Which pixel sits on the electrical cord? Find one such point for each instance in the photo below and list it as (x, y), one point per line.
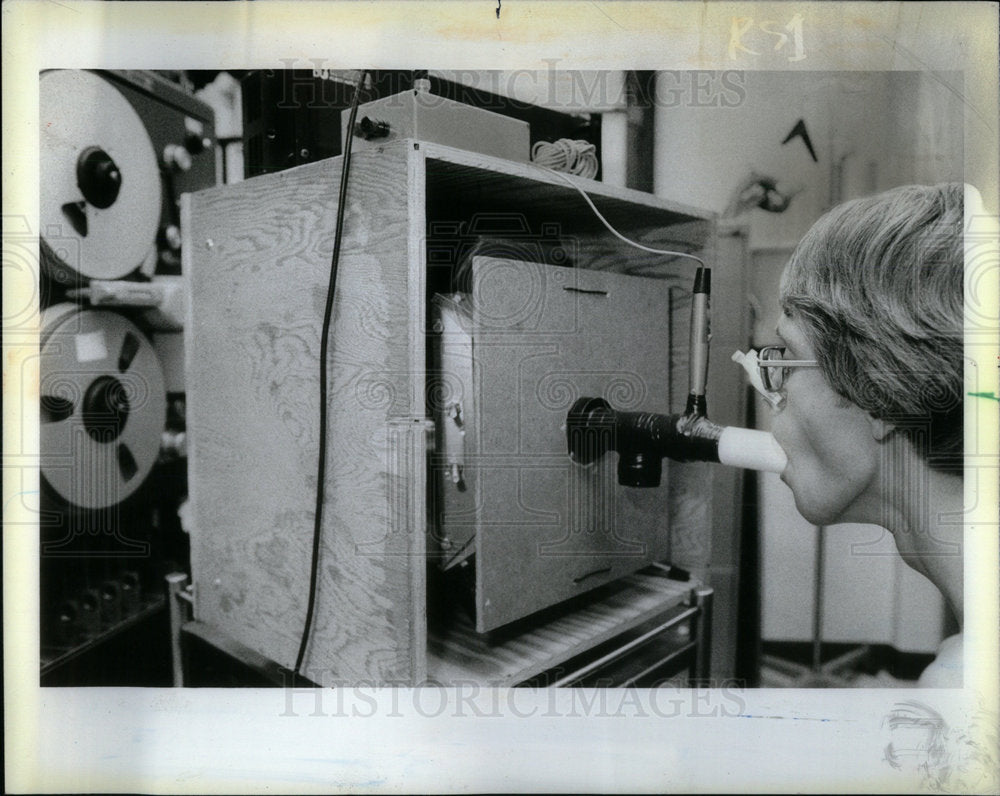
(610, 228)
(323, 354)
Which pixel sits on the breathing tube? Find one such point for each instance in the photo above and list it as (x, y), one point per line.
(643, 439)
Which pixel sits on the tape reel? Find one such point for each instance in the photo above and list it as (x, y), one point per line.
(103, 405)
(100, 182)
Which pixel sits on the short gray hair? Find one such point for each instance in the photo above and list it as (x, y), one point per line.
(878, 285)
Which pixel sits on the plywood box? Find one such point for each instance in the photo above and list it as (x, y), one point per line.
(257, 255)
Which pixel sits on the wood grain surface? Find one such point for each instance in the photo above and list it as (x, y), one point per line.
(259, 259)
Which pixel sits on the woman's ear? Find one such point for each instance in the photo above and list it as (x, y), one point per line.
(880, 428)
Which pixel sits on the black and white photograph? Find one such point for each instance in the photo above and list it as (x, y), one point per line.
(462, 397)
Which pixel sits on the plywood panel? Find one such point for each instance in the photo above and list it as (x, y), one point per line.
(532, 206)
(523, 185)
(258, 257)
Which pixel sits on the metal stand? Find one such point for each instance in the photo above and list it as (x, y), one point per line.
(179, 598)
(693, 609)
(819, 674)
(703, 635)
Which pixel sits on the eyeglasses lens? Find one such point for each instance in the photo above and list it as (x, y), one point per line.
(773, 378)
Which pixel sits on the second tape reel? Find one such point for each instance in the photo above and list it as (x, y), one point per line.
(103, 405)
(100, 181)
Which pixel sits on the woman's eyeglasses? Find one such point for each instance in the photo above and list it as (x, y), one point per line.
(774, 367)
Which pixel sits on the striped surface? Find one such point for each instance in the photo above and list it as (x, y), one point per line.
(457, 654)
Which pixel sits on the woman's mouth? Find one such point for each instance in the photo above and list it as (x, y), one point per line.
(788, 463)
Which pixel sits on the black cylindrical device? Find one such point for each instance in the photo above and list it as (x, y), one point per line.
(700, 335)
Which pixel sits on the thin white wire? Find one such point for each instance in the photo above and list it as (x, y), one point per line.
(611, 229)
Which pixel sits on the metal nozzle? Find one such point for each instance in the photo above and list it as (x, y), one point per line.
(642, 439)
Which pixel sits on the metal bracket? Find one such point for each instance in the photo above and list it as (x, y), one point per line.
(180, 599)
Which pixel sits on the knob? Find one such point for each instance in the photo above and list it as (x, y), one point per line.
(369, 129)
(171, 237)
(98, 177)
(196, 144)
(177, 157)
(105, 409)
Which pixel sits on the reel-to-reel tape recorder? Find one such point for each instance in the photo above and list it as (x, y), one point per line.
(117, 150)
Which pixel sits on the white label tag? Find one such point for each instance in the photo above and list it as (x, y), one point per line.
(91, 347)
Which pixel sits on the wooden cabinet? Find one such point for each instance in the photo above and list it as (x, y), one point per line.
(257, 255)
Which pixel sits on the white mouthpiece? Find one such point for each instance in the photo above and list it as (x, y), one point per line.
(753, 450)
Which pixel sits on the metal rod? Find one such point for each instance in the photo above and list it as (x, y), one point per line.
(703, 629)
(789, 668)
(630, 683)
(847, 659)
(620, 651)
(175, 587)
(818, 600)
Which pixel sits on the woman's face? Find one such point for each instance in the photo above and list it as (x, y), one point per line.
(833, 453)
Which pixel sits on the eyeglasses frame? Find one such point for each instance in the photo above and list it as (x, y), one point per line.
(763, 363)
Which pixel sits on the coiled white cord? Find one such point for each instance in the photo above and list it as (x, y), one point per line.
(573, 157)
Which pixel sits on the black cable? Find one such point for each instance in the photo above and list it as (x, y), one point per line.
(323, 353)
